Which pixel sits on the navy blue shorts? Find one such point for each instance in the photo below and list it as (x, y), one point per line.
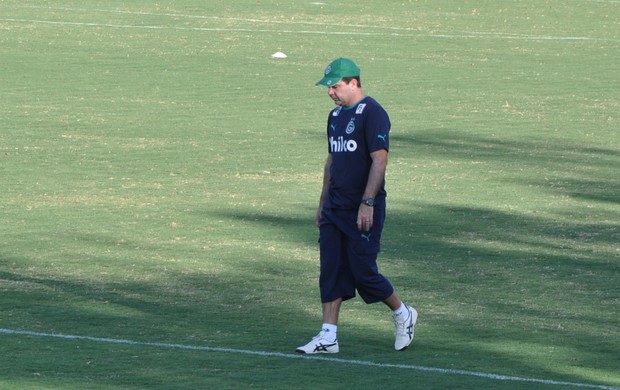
(349, 257)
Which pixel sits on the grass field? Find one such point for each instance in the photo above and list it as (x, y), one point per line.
(160, 174)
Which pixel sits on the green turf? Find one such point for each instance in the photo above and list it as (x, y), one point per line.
(160, 174)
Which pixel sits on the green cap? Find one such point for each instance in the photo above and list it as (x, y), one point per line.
(342, 67)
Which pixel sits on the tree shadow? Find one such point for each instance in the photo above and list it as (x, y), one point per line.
(525, 272)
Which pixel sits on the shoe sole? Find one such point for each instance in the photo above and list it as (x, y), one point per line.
(313, 353)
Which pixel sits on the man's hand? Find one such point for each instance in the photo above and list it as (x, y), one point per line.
(317, 218)
(376, 178)
(365, 217)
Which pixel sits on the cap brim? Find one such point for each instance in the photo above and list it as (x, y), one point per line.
(329, 81)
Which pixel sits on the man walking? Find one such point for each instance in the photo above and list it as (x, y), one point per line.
(351, 209)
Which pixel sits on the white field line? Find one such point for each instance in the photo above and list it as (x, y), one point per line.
(389, 30)
(351, 362)
(463, 35)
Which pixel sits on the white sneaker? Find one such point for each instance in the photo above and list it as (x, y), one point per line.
(319, 345)
(403, 331)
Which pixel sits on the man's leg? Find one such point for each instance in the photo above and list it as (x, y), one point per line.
(393, 302)
(336, 285)
(331, 311)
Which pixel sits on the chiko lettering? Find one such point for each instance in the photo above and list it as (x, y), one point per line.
(339, 144)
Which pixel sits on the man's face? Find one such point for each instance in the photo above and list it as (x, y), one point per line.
(342, 93)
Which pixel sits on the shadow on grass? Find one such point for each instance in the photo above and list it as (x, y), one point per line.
(558, 166)
(454, 144)
(484, 280)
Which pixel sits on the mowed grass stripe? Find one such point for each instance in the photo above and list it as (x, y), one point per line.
(392, 31)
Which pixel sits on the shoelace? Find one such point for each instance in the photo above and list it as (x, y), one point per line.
(401, 325)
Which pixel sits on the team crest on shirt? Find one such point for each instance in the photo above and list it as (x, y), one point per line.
(360, 108)
(350, 127)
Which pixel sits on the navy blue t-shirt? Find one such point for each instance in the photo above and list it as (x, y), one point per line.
(353, 133)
